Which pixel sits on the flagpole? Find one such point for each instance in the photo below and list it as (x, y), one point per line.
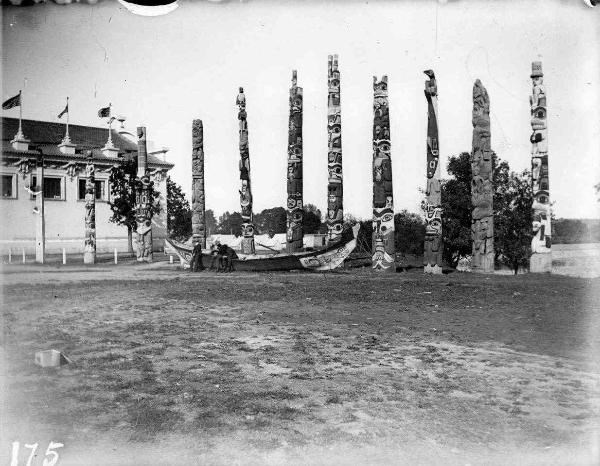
(20, 133)
(67, 135)
(109, 143)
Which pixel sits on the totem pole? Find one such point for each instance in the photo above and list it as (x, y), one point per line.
(384, 250)
(142, 214)
(295, 214)
(482, 189)
(89, 251)
(198, 221)
(335, 188)
(541, 253)
(432, 257)
(245, 193)
(40, 224)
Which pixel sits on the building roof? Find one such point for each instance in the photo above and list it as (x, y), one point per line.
(48, 135)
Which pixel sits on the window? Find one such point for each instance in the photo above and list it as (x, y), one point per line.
(100, 190)
(9, 186)
(53, 187)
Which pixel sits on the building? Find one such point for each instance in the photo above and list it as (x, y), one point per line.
(64, 185)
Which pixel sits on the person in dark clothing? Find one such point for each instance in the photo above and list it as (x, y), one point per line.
(226, 256)
(196, 262)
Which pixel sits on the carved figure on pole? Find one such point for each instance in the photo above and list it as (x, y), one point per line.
(143, 214)
(432, 207)
(335, 188)
(541, 252)
(384, 249)
(198, 200)
(482, 190)
(295, 214)
(89, 250)
(247, 243)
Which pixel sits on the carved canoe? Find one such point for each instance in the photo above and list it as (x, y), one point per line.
(325, 259)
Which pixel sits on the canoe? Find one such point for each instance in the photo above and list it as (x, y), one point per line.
(325, 259)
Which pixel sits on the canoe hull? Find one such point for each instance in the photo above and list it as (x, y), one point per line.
(326, 259)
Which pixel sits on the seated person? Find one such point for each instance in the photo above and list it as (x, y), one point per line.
(226, 256)
(214, 255)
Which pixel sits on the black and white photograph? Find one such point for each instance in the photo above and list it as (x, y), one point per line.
(300, 232)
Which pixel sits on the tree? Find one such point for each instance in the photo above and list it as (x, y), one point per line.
(179, 214)
(409, 232)
(512, 212)
(210, 222)
(312, 220)
(512, 217)
(271, 221)
(456, 209)
(123, 186)
(568, 231)
(230, 224)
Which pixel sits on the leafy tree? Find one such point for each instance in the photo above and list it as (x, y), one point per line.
(456, 209)
(512, 212)
(230, 224)
(210, 222)
(179, 214)
(409, 235)
(312, 220)
(271, 220)
(512, 217)
(568, 231)
(123, 186)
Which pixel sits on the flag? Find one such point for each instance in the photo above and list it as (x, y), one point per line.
(104, 112)
(66, 110)
(12, 102)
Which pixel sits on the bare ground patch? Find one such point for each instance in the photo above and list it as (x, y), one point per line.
(285, 368)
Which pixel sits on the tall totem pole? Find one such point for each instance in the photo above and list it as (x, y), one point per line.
(335, 187)
(143, 214)
(295, 214)
(198, 206)
(245, 192)
(384, 250)
(482, 189)
(541, 253)
(432, 258)
(89, 250)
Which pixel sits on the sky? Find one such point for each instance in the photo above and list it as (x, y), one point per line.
(163, 72)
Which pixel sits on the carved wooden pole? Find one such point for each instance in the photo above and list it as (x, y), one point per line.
(198, 206)
(245, 192)
(432, 258)
(384, 249)
(482, 189)
(295, 214)
(335, 188)
(143, 217)
(541, 253)
(89, 251)
(40, 224)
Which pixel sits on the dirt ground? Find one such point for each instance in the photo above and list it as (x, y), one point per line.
(348, 367)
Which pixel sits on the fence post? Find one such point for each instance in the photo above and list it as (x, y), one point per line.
(23, 255)
(170, 259)
(9, 255)
(64, 256)
(116, 254)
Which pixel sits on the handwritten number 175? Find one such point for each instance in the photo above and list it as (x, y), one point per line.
(51, 461)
